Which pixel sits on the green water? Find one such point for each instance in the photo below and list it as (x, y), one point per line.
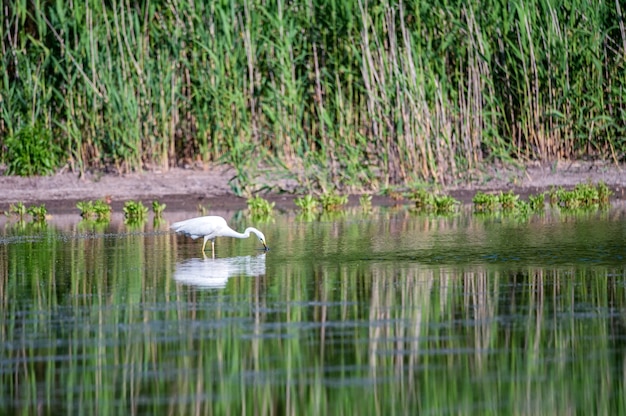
(385, 313)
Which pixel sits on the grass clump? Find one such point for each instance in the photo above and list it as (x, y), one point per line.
(585, 195)
(260, 207)
(537, 202)
(158, 208)
(307, 203)
(134, 211)
(430, 202)
(508, 200)
(38, 212)
(365, 201)
(484, 202)
(99, 210)
(331, 201)
(31, 151)
(17, 210)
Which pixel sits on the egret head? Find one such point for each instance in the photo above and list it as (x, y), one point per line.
(262, 240)
(261, 237)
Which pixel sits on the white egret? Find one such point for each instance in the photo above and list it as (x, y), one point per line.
(211, 227)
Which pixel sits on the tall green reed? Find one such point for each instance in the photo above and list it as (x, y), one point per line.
(355, 93)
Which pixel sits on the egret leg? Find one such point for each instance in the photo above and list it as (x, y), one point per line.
(213, 248)
(204, 244)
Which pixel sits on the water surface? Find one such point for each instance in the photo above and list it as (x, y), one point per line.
(385, 312)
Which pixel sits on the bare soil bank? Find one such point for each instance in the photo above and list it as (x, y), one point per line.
(185, 189)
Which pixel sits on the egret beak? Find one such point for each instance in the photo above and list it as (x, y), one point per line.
(265, 247)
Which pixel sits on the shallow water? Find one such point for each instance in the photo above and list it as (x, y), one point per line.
(386, 312)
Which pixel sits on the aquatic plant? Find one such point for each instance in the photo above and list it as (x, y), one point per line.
(393, 193)
(507, 200)
(604, 193)
(158, 208)
(86, 208)
(38, 212)
(331, 201)
(484, 202)
(584, 195)
(99, 209)
(444, 204)
(365, 201)
(17, 210)
(135, 211)
(102, 210)
(536, 202)
(307, 203)
(430, 202)
(259, 206)
(553, 196)
(421, 198)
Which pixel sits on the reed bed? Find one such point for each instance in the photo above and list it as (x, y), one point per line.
(354, 93)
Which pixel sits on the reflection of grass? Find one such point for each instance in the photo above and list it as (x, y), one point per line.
(430, 202)
(91, 225)
(361, 326)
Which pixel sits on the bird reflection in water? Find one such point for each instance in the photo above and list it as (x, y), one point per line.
(210, 273)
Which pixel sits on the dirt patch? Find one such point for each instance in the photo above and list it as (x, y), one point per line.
(185, 189)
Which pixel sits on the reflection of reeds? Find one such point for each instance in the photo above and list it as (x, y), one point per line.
(93, 323)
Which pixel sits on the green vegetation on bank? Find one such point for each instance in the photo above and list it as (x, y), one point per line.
(354, 93)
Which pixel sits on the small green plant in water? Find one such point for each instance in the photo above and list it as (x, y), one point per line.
(135, 211)
(392, 193)
(18, 210)
(332, 201)
(38, 212)
(536, 202)
(429, 202)
(102, 210)
(99, 210)
(507, 200)
(553, 196)
(86, 208)
(444, 204)
(365, 201)
(584, 195)
(523, 208)
(307, 203)
(158, 208)
(485, 202)
(604, 193)
(259, 206)
(422, 199)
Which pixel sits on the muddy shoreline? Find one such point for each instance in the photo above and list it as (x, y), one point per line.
(186, 189)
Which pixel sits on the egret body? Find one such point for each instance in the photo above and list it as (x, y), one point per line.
(211, 227)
